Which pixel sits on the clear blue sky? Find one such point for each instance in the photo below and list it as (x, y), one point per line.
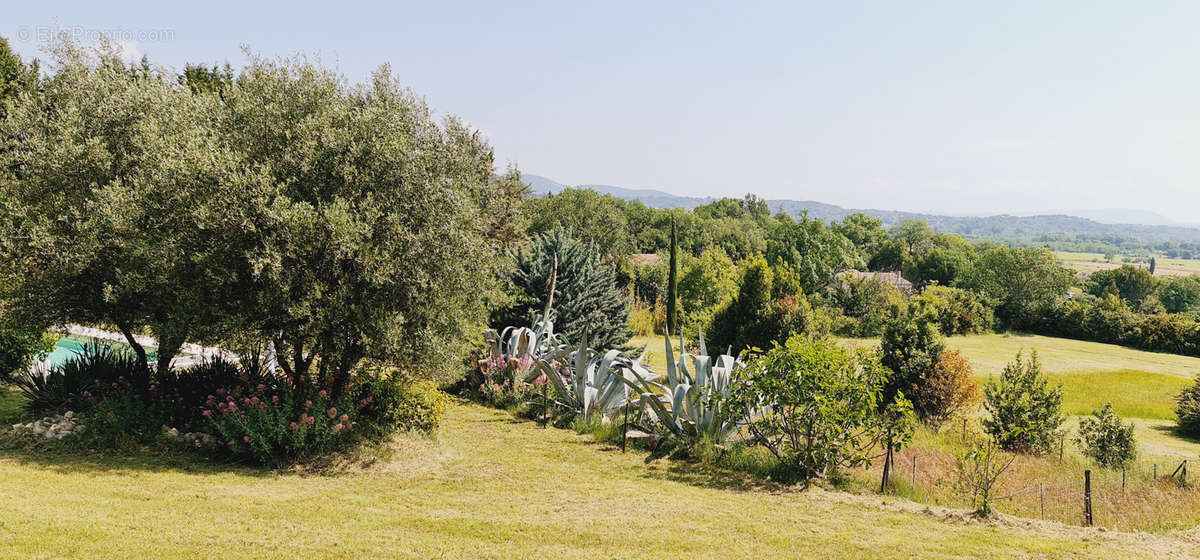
(957, 106)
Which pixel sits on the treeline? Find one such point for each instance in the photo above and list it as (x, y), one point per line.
(747, 277)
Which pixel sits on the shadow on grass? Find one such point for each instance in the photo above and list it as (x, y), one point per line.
(1176, 431)
(705, 475)
(67, 460)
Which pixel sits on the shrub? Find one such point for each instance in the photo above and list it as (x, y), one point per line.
(956, 311)
(1187, 409)
(387, 406)
(1025, 413)
(821, 407)
(951, 387)
(1177, 334)
(18, 348)
(120, 420)
(979, 471)
(183, 393)
(279, 423)
(910, 348)
(641, 319)
(1105, 439)
(96, 369)
(504, 382)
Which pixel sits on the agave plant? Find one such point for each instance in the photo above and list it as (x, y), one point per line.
(586, 382)
(692, 406)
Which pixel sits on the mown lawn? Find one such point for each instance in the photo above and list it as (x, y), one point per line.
(489, 487)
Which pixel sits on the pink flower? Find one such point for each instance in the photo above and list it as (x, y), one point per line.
(114, 385)
(153, 386)
(307, 404)
(322, 393)
(262, 387)
(232, 407)
(220, 391)
(254, 400)
(87, 395)
(246, 439)
(230, 444)
(332, 412)
(207, 413)
(274, 398)
(293, 426)
(345, 418)
(245, 401)
(120, 378)
(338, 428)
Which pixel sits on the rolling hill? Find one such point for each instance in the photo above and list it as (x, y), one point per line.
(1002, 227)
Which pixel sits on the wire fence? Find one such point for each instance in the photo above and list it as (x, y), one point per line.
(1143, 495)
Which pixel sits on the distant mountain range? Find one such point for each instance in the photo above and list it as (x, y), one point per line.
(1097, 224)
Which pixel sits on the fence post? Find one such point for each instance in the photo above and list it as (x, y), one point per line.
(1061, 443)
(1087, 497)
(1122, 479)
(914, 483)
(1155, 472)
(625, 428)
(964, 429)
(1042, 501)
(887, 463)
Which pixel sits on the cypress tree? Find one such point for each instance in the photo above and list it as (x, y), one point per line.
(673, 283)
(1152, 266)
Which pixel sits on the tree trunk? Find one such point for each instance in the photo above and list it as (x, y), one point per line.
(133, 343)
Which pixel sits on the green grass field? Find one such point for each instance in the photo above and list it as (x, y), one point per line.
(490, 487)
(1091, 262)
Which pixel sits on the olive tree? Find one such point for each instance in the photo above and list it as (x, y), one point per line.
(375, 236)
(119, 203)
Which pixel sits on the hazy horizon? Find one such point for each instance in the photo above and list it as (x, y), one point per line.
(936, 107)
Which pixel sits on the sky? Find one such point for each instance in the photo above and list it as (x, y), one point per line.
(962, 107)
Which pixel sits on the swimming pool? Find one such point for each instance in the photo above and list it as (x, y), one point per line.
(72, 345)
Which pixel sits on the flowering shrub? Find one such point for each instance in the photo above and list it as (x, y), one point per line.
(504, 380)
(272, 424)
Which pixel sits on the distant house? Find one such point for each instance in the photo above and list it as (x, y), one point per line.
(893, 278)
(644, 259)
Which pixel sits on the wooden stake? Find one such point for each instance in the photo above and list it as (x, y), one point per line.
(914, 482)
(625, 428)
(887, 463)
(1042, 500)
(1087, 497)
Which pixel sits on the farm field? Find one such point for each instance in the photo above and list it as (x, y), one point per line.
(491, 486)
(1091, 262)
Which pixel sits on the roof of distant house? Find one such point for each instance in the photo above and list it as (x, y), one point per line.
(645, 259)
(895, 279)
